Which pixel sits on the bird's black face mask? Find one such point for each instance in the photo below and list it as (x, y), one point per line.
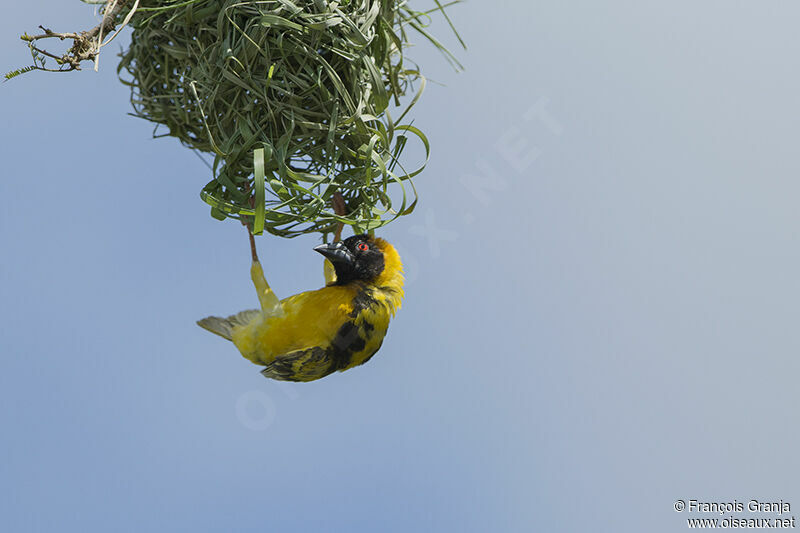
(356, 258)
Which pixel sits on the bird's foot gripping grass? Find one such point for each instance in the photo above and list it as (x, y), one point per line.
(315, 333)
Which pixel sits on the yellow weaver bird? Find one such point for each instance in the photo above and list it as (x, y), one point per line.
(312, 334)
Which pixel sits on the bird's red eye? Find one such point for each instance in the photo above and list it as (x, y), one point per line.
(363, 246)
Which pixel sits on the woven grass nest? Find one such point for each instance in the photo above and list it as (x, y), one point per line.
(292, 98)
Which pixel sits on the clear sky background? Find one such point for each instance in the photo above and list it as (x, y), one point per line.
(608, 324)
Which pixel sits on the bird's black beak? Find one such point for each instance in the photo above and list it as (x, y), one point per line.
(336, 253)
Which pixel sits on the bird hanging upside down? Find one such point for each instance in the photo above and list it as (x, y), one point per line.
(312, 334)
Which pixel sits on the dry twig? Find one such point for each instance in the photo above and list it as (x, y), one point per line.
(85, 45)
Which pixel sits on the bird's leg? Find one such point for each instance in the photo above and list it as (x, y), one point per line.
(270, 305)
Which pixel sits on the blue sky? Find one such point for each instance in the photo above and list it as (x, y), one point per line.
(605, 324)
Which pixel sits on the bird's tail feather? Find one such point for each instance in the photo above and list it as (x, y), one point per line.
(224, 326)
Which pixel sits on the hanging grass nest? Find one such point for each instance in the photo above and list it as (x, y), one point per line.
(293, 100)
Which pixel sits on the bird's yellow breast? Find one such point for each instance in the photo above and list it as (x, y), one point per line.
(309, 319)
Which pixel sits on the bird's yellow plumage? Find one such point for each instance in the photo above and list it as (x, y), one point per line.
(312, 334)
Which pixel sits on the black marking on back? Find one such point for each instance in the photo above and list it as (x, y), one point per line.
(346, 342)
(349, 339)
(362, 300)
